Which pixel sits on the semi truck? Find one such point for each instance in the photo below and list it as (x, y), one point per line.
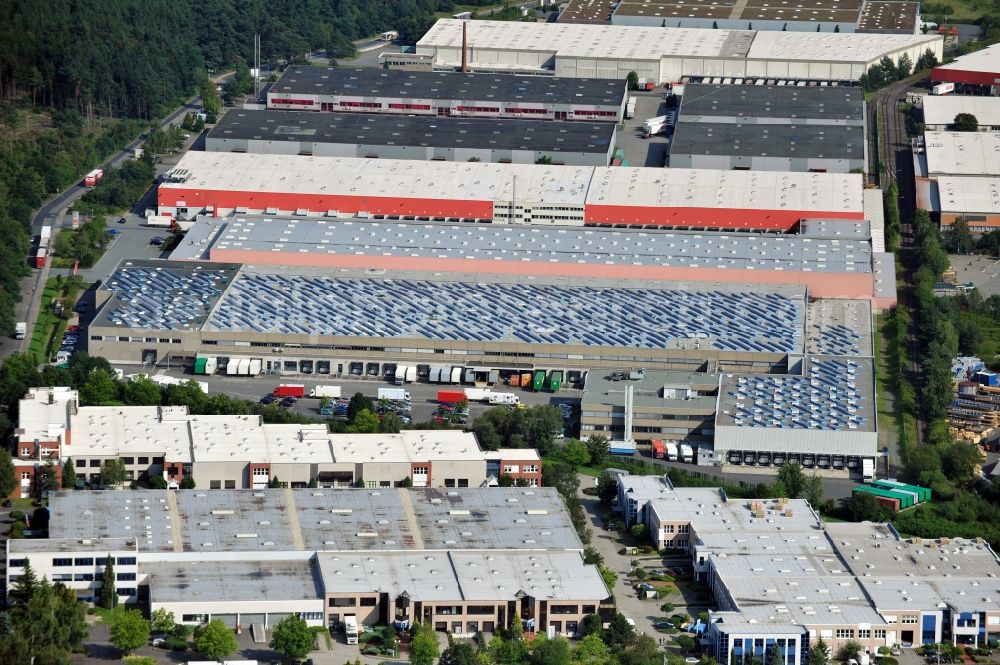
(451, 396)
(351, 629)
(630, 108)
(686, 453)
(394, 394)
(943, 89)
(21, 330)
(504, 398)
(92, 178)
(44, 240)
(405, 374)
(478, 394)
(622, 447)
(333, 392)
(290, 390)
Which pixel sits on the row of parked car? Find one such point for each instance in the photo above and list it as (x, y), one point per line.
(69, 343)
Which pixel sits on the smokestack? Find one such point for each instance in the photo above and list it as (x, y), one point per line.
(465, 47)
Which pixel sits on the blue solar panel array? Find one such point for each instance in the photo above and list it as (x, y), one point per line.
(827, 399)
(159, 298)
(837, 340)
(489, 312)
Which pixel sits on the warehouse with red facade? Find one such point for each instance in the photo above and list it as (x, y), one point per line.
(225, 183)
(975, 73)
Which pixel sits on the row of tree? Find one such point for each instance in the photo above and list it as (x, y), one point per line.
(885, 71)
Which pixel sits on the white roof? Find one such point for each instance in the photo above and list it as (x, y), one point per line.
(651, 43)
(44, 413)
(383, 177)
(962, 153)
(514, 454)
(986, 60)
(942, 109)
(740, 190)
(407, 446)
(541, 575)
(831, 46)
(969, 194)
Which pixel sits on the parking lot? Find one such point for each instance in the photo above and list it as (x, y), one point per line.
(982, 271)
(651, 152)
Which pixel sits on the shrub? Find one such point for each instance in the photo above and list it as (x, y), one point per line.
(174, 644)
(17, 515)
(371, 651)
(139, 660)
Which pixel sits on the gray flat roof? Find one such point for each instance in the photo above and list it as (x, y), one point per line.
(410, 130)
(233, 581)
(819, 103)
(805, 141)
(653, 390)
(326, 520)
(391, 83)
(837, 246)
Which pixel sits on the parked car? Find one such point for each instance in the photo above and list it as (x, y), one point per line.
(156, 240)
(267, 399)
(287, 402)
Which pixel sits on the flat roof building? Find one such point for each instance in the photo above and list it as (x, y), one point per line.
(770, 128)
(809, 257)
(940, 111)
(979, 70)
(243, 452)
(369, 90)
(958, 176)
(662, 53)
(226, 183)
(412, 137)
(250, 558)
(962, 153)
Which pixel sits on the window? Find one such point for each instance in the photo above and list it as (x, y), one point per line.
(369, 602)
(449, 482)
(589, 609)
(100, 561)
(95, 463)
(682, 528)
(531, 468)
(563, 609)
(864, 633)
(126, 561)
(310, 616)
(81, 463)
(845, 633)
(129, 460)
(480, 609)
(669, 528)
(84, 561)
(62, 577)
(62, 562)
(384, 483)
(143, 460)
(16, 563)
(194, 618)
(126, 591)
(26, 475)
(157, 460)
(510, 469)
(215, 484)
(25, 452)
(125, 577)
(230, 484)
(463, 482)
(909, 618)
(879, 634)
(447, 610)
(420, 470)
(260, 471)
(84, 577)
(342, 602)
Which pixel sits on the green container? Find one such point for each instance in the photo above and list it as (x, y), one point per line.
(539, 381)
(906, 500)
(199, 365)
(619, 154)
(555, 380)
(922, 493)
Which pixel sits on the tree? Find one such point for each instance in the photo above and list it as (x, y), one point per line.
(774, 656)
(113, 472)
(619, 632)
(960, 240)
(359, 402)
(638, 531)
(459, 653)
(812, 490)
(865, 508)
(849, 649)
(68, 474)
(8, 481)
(632, 80)
(390, 423)
(423, 646)
(141, 391)
(551, 652)
(162, 621)
(592, 650)
(597, 448)
(274, 483)
(592, 557)
(215, 640)
(100, 387)
(544, 159)
(129, 630)
(24, 587)
(561, 476)
(904, 66)
(187, 394)
(157, 482)
(575, 453)
(790, 481)
(108, 595)
(591, 625)
(187, 482)
(293, 638)
(965, 122)
(928, 60)
(364, 422)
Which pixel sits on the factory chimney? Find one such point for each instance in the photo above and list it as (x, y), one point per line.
(465, 47)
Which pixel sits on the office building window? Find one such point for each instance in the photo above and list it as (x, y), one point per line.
(864, 633)
(230, 484)
(126, 561)
(83, 561)
(369, 602)
(879, 634)
(909, 618)
(62, 562)
(845, 633)
(420, 470)
(143, 460)
(125, 577)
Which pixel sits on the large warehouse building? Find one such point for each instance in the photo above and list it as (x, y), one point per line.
(801, 16)
(770, 128)
(462, 561)
(443, 94)
(958, 175)
(661, 54)
(832, 258)
(412, 137)
(224, 183)
(940, 111)
(975, 73)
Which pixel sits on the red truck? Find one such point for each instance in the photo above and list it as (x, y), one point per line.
(451, 396)
(659, 450)
(290, 390)
(93, 177)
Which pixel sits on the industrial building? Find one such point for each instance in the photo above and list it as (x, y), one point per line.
(659, 54)
(958, 175)
(940, 111)
(463, 561)
(227, 183)
(753, 420)
(783, 579)
(243, 452)
(770, 128)
(819, 249)
(443, 94)
(974, 73)
(802, 16)
(412, 137)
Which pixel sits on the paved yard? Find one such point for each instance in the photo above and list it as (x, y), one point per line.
(982, 271)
